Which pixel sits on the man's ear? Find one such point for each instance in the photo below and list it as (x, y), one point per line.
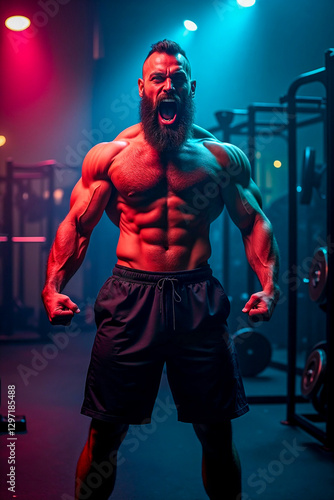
(193, 87)
(141, 87)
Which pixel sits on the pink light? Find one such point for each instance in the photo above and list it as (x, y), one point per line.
(29, 239)
(24, 239)
(17, 23)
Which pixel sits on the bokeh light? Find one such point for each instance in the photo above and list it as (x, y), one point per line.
(246, 3)
(190, 25)
(17, 23)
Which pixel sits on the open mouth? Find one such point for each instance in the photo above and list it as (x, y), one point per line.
(168, 111)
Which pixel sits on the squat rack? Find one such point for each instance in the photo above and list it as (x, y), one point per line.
(14, 230)
(279, 125)
(251, 127)
(325, 76)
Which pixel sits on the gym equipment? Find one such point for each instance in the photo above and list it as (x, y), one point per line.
(313, 383)
(321, 111)
(254, 351)
(311, 176)
(318, 272)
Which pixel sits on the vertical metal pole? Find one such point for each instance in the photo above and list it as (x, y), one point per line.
(8, 299)
(293, 245)
(226, 230)
(50, 214)
(251, 157)
(21, 247)
(330, 243)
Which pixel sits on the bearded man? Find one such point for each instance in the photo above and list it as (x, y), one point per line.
(162, 305)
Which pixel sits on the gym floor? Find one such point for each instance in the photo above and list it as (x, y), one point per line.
(160, 461)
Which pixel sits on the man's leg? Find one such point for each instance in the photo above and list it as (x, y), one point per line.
(221, 470)
(96, 469)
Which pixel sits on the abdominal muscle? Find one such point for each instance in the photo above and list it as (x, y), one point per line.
(180, 244)
(137, 254)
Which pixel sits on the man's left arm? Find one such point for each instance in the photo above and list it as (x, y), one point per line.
(243, 202)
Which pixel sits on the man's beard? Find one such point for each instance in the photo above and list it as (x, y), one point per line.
(167, 137)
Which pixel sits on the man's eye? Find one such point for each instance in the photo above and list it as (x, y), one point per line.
(157, 79)
(179, 79)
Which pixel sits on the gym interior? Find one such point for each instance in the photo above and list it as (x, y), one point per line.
(265, 82)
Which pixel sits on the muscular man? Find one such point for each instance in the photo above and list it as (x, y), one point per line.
(162, 304)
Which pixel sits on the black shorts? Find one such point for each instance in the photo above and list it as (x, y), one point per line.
(146, 319)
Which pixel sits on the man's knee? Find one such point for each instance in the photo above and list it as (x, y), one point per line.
(107, 434)
(215, 437)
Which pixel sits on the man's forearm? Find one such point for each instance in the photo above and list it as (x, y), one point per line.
(66, 255)
(262, 253)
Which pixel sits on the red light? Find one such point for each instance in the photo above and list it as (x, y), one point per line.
(17, 23)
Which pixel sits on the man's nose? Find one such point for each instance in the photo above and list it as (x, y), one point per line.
(168, 85)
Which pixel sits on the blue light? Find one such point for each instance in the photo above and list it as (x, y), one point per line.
(246, 3)
(190, 25)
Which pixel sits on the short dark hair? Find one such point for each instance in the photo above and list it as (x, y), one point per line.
(168, 47)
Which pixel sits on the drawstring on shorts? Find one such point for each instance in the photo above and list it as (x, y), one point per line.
(175, 296)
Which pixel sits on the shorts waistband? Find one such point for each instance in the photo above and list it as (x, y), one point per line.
(183, 277)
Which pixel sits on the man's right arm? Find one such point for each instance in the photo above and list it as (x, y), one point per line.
(88, 201)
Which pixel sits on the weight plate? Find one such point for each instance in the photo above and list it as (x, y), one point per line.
(318, 275)
(314, 371)
(254, 351)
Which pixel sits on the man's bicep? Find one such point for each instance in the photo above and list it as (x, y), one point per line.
(88, 203)
(242, 203)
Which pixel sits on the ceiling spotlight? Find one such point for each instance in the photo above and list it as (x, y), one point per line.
(17, 23)
(246, 3)
(190, 25)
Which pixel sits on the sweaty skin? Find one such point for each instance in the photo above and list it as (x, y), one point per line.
(163, 203)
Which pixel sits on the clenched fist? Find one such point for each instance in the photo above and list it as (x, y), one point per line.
(59, 307)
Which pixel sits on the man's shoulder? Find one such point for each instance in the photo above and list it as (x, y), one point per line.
(226, 153)
(131, 132)
(230, 158)
(98, 160)
(200, 133)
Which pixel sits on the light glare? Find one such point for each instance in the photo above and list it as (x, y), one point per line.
(2, 140)
(190, 25)
(246, 3)
(277, 164)
(17, 23)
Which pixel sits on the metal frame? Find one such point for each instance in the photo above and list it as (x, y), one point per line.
(251, 128)
(326, 77)
(14, 174)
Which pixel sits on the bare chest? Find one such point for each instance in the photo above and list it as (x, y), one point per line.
(142, 175)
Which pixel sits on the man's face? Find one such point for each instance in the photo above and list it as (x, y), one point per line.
(167, 106)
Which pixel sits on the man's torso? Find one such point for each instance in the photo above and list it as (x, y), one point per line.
(164, 204)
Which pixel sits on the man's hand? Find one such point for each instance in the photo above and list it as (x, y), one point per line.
(59, 307)
(261, 305)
